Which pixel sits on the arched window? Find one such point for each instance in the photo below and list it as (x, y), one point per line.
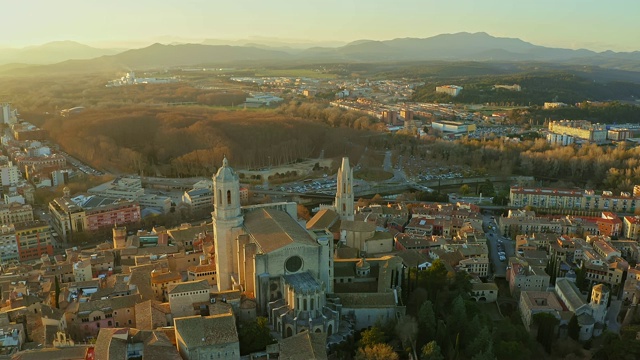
(228, 197)
(311, 308)
(344, 207)
(304, 302)
(109, 323)
(219, 197)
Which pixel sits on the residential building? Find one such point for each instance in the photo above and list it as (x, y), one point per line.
(476, 265)
(609, 224)
(183, 295)
(524, 277)
(88, 317)
(484, 292)
(14, 213)
(631, 227)
(82, 271)
(536, 302)
(133, 343)
(34, 239)
(161, 279)
(204, 337)
(202, 271)
(79, 214)
(575, 199)
(199, 199)
(581, 129)
(9, 174)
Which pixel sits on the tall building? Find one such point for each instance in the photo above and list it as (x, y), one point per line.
(7, 115)
(227, 222)
(9, 174)
(344, 191)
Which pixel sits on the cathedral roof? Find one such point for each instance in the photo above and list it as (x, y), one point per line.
(304, 345)
(324, 219)
(226, 173)
(273, 229)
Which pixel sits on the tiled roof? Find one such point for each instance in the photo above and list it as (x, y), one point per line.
(367, 300)
(273, 229)
(188, 286)
(304, 346)
(115, 303)
(198, 331)
(323, 219)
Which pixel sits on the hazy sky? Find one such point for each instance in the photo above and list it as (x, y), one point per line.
(593, 24)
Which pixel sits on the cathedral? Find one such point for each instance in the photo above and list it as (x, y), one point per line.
(266, 254)
(263, 252)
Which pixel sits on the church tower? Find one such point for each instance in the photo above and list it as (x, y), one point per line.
(344, 191)
(598, 304)
(119, 237)
(227, 222)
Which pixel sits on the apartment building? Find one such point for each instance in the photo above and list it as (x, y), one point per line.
(34, 239)
(631, 227)
(91, 213)
(14, 213)
(478, 266)
(524, 277)
(9, 174)
(573, 199)
(581, 129)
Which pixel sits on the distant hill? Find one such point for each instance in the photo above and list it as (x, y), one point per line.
(445, 47)
(163, 56)
(52, 52)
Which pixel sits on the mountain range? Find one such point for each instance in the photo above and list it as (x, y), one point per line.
(52, 52)
(70, 56)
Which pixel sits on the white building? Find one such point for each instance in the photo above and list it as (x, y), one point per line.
(560, 139)
(452, 90)
(9, 174)
(7, 115)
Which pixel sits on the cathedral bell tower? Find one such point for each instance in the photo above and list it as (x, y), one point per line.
(344, 191)
(227, 221)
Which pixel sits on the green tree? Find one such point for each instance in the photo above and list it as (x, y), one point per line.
(464, 190)
(487, 189)
(431, 351)
(434, 279)
(546, 329)
(56, 299)
(371, 337)
(458, 318)
(377, 352)
(574, 328)
(254, 336)
(427, 321)
(480, 343)
(407, 332)
(581, 278)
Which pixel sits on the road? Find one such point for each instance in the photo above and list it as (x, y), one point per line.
(611, 318)
(494, 238)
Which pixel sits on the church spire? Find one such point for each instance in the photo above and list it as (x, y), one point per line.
(344, 191)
